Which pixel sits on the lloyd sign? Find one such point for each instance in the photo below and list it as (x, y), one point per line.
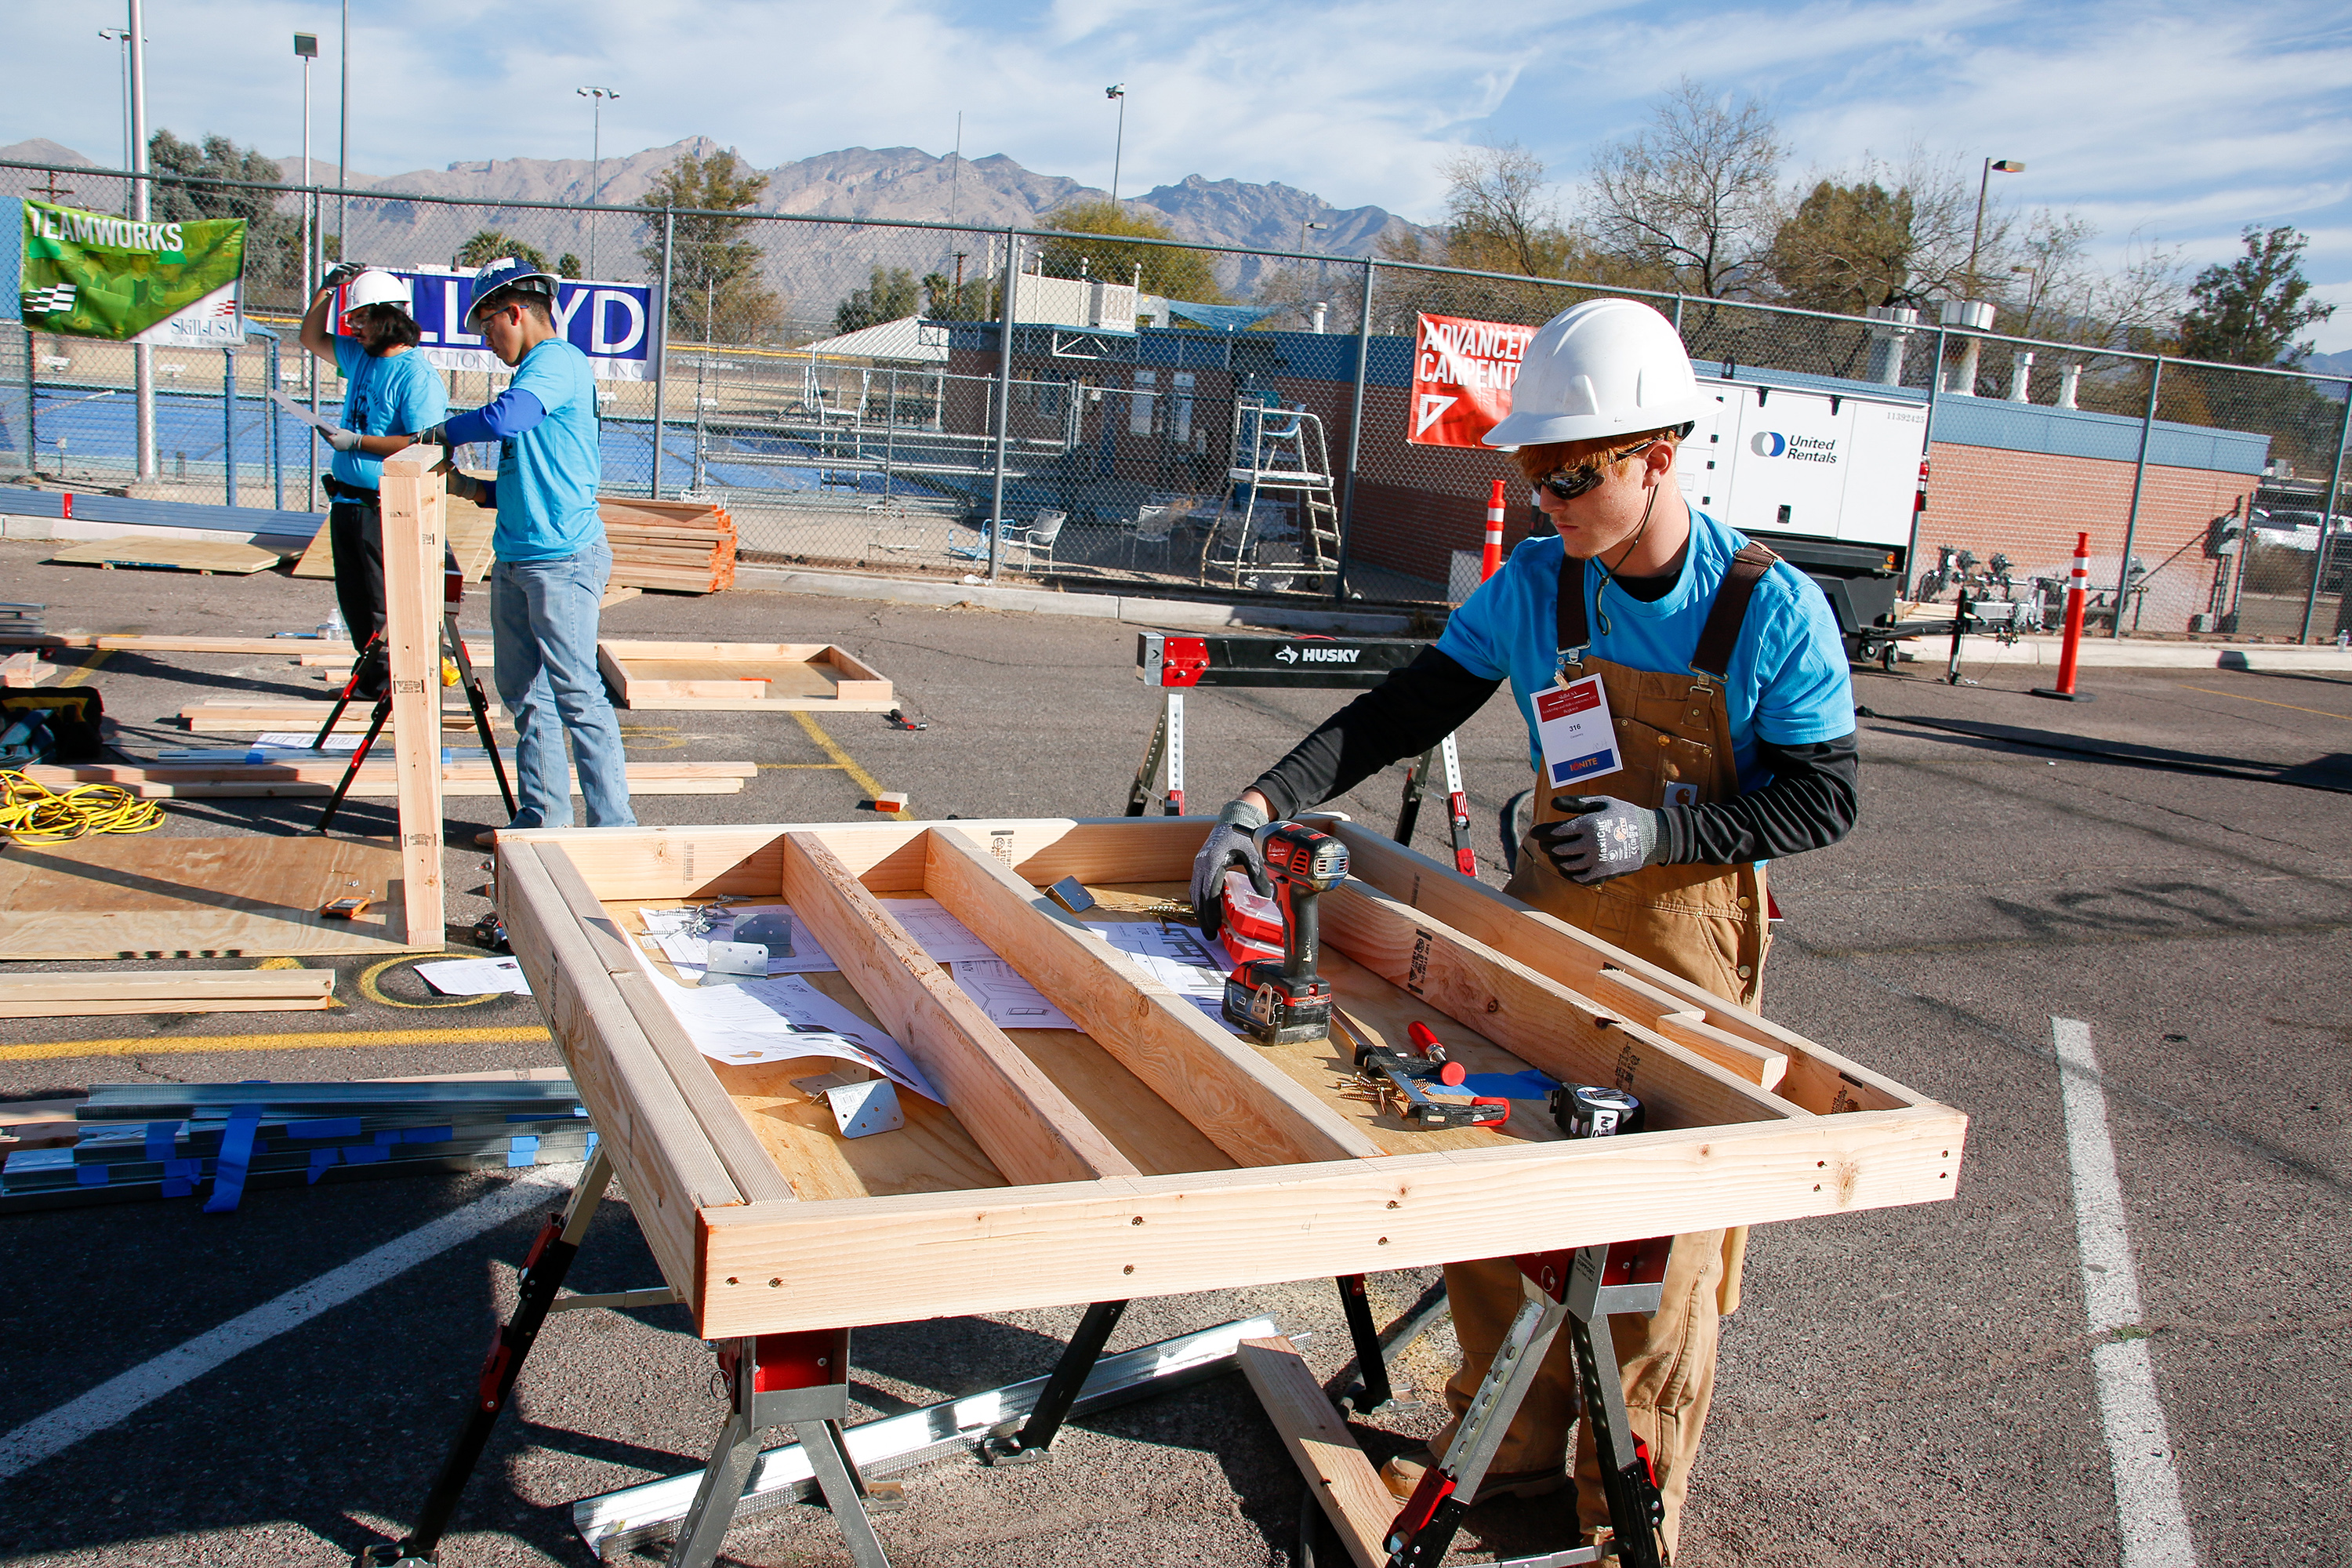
(612, 323)
(1462, 376)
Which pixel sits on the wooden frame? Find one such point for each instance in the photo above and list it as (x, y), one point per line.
(1154, 1153)
(774, 677)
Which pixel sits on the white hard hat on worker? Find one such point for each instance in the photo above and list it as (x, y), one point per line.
(1602, 369)
(1604, 393)
(374, 287)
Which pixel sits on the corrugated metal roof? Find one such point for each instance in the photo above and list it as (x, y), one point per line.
(903, 340)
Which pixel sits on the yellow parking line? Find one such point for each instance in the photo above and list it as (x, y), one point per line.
(309, 1040)
(86, 668)
(2265, 701)
(841, 759)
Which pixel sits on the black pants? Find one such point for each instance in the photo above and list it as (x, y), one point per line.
(355, 529)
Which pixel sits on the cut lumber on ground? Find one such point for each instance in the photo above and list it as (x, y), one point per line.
(25, 669)
(303, 717)
(1341, 1478)
(144, 642)
(229, 781)
(91, 993)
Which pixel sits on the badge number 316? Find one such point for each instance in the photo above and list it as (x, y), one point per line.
(1579, 741)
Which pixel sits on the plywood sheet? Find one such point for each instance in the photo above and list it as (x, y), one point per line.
(171, 555)
(469, 529)
(144, 896)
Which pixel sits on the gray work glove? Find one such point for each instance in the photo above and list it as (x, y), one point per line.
(1606, 838)
(342, 272)
(343, 440)
(1230, 843)
(463, 486)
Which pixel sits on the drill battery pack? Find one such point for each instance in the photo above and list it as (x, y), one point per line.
(1275, 1010)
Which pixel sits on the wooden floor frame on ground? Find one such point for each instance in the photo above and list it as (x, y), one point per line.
(772, 678)
(1153, 1153)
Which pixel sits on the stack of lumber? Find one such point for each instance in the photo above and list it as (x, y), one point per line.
(176, 1140)
(676, 546)
(21, 619)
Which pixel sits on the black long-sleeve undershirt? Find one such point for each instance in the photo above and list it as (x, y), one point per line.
(1811, 803)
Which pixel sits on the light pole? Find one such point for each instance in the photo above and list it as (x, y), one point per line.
(1303, 226)
(122, 35)
(1118, 90)
(1984, 184)
(306, 49)
(596, 96)
(343, 145)
(143, 358)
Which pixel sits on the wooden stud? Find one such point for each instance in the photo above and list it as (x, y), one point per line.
(1023, 1123)
(1817, 1079)
(109, 993)
(674, 1177)
(1340, 1478)
(946, 1254)
(1247, 1107)
(413, 503)
(1553, 1028)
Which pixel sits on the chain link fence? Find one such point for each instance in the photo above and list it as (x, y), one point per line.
(846, 389)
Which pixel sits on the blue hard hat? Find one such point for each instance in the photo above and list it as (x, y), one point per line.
(510, 272)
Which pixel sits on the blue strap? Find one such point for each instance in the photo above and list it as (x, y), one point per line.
(236, 1158)
(162, 1139)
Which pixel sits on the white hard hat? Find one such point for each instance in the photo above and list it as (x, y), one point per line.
(376, 286)
(1607, 367)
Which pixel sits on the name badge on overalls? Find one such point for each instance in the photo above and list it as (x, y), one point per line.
(1572, 723)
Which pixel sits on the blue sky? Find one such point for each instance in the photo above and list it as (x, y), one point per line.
(2172, 122)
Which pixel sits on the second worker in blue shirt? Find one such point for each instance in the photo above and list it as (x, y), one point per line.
(548, 583)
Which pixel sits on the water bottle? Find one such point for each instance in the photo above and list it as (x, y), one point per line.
(334, 627)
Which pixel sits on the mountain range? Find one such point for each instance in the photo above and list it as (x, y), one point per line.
(822, 264)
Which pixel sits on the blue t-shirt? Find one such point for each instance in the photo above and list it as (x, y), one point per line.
(390, 394)
(1788, 681)
(548, 474)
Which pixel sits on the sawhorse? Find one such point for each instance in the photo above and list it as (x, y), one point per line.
(1177, 664)
(801, 1380)
(1577, 1290)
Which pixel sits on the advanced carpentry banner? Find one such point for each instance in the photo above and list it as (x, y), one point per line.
(1462, 376)
(612, 323)
(97, 275)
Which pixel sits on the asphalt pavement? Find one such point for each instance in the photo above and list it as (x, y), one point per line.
(2169, 866)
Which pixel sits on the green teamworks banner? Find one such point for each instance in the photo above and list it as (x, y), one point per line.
(96, 275)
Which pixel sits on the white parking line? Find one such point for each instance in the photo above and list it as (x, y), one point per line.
(2148, 1517)
(122, 1394)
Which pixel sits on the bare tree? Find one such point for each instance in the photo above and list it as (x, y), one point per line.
(1499, 213)
(1696, 194)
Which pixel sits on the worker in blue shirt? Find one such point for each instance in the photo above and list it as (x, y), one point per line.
(1689, 716)
(390, 388)
(548, 583)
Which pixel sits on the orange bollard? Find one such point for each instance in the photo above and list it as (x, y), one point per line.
(1494, 558)
(2077, 591)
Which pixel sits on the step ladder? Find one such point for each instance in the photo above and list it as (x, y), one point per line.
(1280, 519)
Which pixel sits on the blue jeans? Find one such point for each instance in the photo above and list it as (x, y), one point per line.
(543, 628)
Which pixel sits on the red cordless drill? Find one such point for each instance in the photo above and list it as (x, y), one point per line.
(1277, 1004)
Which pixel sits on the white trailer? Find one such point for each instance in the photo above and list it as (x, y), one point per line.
(1830, 481)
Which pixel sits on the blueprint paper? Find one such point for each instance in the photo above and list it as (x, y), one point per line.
(780, 1018)
(1010, 1002)
(1164, 939)
(689, 952)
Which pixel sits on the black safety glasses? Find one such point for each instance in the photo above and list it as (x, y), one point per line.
(1569, 483)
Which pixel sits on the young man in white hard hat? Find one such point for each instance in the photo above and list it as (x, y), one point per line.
(1728, 739)
(390, 389)
(548, 583)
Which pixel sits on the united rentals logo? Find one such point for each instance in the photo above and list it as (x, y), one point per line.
(1795, 448)
(1286, 653)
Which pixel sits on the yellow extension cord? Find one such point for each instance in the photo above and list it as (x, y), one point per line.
(32, 813)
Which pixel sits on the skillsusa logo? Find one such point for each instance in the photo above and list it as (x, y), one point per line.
(1286, 653)
(1796, 448)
